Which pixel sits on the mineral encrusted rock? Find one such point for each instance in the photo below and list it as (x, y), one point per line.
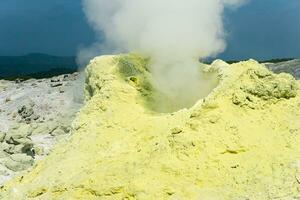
(35, 117)
(240, 142)
(19, 162)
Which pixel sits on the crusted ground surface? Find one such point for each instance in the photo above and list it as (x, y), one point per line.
(241, 142)
(34, 114)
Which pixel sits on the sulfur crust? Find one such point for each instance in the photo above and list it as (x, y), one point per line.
(241, 142)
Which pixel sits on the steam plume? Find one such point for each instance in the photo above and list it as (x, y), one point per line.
(174, 33)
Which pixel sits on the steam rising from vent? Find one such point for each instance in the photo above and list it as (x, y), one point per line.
(175, 34)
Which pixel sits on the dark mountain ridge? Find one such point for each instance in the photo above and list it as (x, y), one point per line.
(35, 63)
(38, 65)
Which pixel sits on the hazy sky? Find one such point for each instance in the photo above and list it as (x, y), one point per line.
(261, 29)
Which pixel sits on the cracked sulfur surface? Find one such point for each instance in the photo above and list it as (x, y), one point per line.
(239, 142)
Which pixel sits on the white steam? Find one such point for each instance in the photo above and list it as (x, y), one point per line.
(174, 33)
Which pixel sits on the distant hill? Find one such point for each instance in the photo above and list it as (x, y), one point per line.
(276, 60)
(36, 65)
(291, 66)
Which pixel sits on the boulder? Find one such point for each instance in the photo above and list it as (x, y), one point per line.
(3, 154)
(24, 145)
(25, 111)
(39, 150)
(19, 162)
(42, 128)
(14, 135)
(7, 148)
(58, 131)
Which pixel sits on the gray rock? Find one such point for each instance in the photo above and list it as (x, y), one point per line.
(25, 111)
(65, 128)
(34, 117)
(3, 154)
(66, 77)
(70, 77)
(42, 128)
(56, 84)
(58, 131)
(15, 134)
(2, 136)
(5, 147)
(19, 162)
(26, 148)
(8, 148)
(55, 79)
(14, 138)
(61, 90)
(39, 150)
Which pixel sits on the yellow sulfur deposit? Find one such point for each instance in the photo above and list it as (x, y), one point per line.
(242, 142)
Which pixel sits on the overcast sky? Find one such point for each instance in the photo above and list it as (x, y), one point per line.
(261, 29)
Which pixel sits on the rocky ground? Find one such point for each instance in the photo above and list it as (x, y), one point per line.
(291, 67)
(34, 114)
(239, 143)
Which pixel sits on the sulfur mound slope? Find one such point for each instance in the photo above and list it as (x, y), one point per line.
(241, 142)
